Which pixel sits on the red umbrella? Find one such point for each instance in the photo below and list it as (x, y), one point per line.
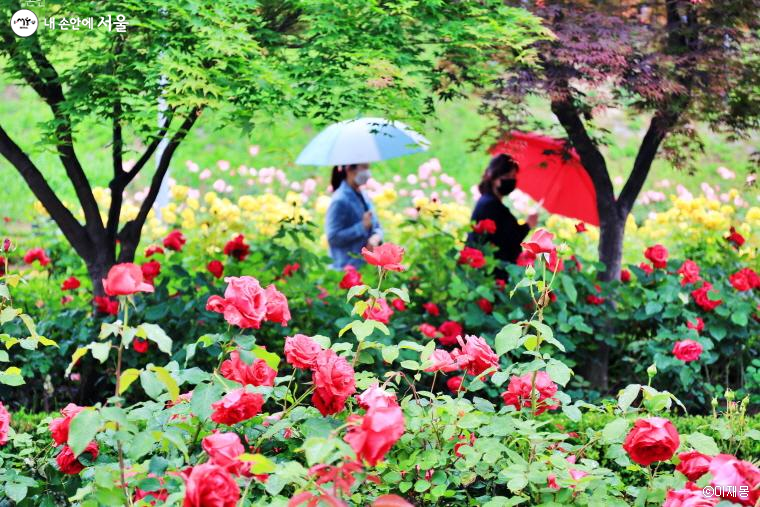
(551, 174)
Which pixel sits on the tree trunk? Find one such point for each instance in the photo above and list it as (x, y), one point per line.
(98, 266)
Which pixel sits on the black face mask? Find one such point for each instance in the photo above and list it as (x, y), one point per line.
(506, 186)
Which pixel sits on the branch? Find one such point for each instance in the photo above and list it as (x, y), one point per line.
(114, 209)
(71, 228)
(130, 233)
(127, 177)
(591, 158)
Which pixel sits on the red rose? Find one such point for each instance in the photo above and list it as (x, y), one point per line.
(59, 427)
(555, 263)
(150, 271)
(540, 242)
(594, 299)
(238, 405)
(687, 350)
(374, 396)
(334, 382)
(690, 496)
(209, 485)
(734, 475)
(216, 268)
(379, 312)
(442, 361)
(7, 245)
(237, 248)
(140, 346)
(289, 269)
(277, 306)
(373, 435)
(153, 250)
(69, 464)
(690, 272)
(745, 279)
(625, 276)
(449, 330)
(257, 373)
(646, 268)
(702, 298)
(454, 384)
(387, 256)
(698, 325)
(5, 424)
(3, 261)
(735, 238)
(175, 240)
(71, 283)
(428, 330)
(124, 280)
(223, 450)
(301, 351)
(580, 227)
(479, 354)
(518, 393)
(657, 255)
(431, 308)
(526, 258)
(472, 257)
(351, 278)
(693, 464)
(652, 439)
(106, 305)
(244, 303)
(485, 226)
(36, 254)
(485, 305)
(398, 304)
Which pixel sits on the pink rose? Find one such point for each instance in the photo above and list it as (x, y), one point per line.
(372, 436)
(390, 501)
(480, 355)
(687, 350)
(244, 303)
(301, 351)
(223, 449)
(387, 256)
(540, 242)
(375, 396)
(693, 464)
(5, 424)
(238, 405)
(690, 496)
(124, 280)
(657, 255)
(442, 361)
(518, 393)
(210, 485)
(334, 382)
(741, 476)
(277, 306)
(258, 373)
(652, 439)
(379, 312)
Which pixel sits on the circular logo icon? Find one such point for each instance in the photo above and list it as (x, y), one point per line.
(24, 23)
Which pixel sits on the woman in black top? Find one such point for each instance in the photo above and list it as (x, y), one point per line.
(497, 182)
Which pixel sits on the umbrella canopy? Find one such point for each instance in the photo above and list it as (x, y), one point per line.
(551, 174)
(361, 141)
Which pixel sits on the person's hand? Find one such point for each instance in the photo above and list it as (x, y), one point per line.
(374, 240)
(367, 220)
(532, 220)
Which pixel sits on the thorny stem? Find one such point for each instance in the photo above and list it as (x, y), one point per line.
(371, 305)
(125, 306)
(289, 409)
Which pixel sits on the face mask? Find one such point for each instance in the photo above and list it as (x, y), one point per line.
(362, 177)
(506, 186)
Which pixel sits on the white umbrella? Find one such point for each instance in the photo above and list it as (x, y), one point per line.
(363, 140)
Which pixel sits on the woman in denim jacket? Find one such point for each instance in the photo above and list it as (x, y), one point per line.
(351, 221)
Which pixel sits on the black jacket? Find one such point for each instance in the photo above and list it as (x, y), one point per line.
(509, 234)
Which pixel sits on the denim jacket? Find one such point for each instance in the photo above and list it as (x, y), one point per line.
(346, 234)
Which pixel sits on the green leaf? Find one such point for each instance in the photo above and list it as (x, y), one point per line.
(12, 377)
(203, 396)
(559, 372)
(572, 412)
(628, 395)
(167, 380)
(141, 445)
(614, 430)
(83, 428)
(157, 335)
(401, 293)
(15, 491)
(362, 328)
(260, 464)
(272, 359)
(100, 350)
(569, 288)
(703, 443)
(78, 354)
(317, 449)
(356, 290)
(390, 353)
(127, 377)
(410, 365)
(421, 485)
(150, 384)
(517, 483)
(653, 307)
(740, 318)
(507, 339)
(8, 314)
(323, 341)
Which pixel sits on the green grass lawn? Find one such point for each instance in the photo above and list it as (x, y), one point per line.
(281, 139)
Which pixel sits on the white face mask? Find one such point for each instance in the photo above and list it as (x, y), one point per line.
(362, 177)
